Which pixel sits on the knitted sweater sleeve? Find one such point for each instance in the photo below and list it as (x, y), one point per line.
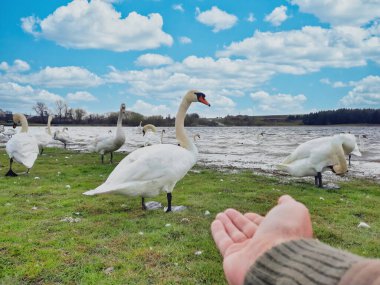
(309, 261)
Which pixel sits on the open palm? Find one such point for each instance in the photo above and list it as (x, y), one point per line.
(241, 239)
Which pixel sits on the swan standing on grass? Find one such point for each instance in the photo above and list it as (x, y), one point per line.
(153, 169)
(315, 156)
(22, 147)
(109, 144)
(44, 139)
(62, 136)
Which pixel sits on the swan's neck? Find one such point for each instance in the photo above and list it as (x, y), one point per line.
(119, 129)
(180, 131)
(48, 126)
(24, 125)
(162, 136)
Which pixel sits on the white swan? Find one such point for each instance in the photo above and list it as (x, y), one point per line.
(153, 169)
(62, 136)
(139, 128)
(109, 144)
(313, 157)
(43, 139)
(149, 133)
(22, 147)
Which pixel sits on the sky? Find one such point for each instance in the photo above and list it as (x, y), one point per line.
(250, 57)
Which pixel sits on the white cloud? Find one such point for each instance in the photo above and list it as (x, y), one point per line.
(216, 18)
(341, 12)
(279, 103)
(366, 93)
(58, 77)
(185, 40)
(277, 16)
(178, 7)
(17, 66)
(251, 18)
(81, 96)
(97, 25)
(148, 109)
(308, 49)
(21, 98)
(151, 59)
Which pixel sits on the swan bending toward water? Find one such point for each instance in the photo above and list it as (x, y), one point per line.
(109, 144)
(315, 156)
(149, 133)
(153, 169)
(22, 147)
(62, 136)
(43, 139)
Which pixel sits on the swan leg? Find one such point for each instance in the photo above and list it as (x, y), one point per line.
(169, 197)
(143, 203)
(64, 145)
(111, 159)
(102, 158)
(10, 172)
(42, 150)
(349, 159)
(319, 175)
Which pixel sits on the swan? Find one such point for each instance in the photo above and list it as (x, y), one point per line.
(313, 157)
(62, 136)
(109, 144)
(22, 147)
(44, 139)
(139, 128)
(153, 169)
(149, 133)
(1, 128)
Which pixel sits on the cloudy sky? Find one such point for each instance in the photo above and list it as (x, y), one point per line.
(248, 57)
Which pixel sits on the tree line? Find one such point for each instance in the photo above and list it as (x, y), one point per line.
(65, 115)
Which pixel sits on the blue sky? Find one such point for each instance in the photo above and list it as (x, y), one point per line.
(248, 57)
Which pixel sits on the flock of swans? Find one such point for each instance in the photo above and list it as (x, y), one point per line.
(157, 167)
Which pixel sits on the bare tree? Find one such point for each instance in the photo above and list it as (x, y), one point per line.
(79, 114)
(41, 109)
(60, 106)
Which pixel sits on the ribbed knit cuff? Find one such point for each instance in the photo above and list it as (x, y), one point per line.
(301, 262)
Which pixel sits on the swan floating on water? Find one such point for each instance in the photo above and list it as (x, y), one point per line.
(22, 147)
(153, 169)
(109, 144)
(315, 156)
(43, 139)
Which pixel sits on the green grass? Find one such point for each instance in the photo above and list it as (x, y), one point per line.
(36, 247)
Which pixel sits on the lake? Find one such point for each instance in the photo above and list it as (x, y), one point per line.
(245, 147)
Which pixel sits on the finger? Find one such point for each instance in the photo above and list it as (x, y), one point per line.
(285, 199)
(220, 236)
(256, 218)
(235, 234)
(243, 224)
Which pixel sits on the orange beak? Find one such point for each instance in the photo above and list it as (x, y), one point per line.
(204, 101)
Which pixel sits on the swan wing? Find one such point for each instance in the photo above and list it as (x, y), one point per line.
(149, 170)
(305, 149)
(23, 148)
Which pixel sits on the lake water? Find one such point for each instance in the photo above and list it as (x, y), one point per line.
(244, 147)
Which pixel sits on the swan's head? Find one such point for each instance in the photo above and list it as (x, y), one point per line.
(196, 96)
(196, 136)
(349, 144)
(122, 108)
(17, 119)
(148, 127)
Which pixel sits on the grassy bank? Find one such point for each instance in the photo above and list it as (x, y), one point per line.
(38, 244)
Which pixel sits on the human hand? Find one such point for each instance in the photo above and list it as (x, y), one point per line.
(241, 239)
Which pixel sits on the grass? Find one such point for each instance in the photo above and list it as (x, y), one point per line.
(36, 247)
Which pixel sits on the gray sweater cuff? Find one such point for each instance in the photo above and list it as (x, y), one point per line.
(305, 261)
